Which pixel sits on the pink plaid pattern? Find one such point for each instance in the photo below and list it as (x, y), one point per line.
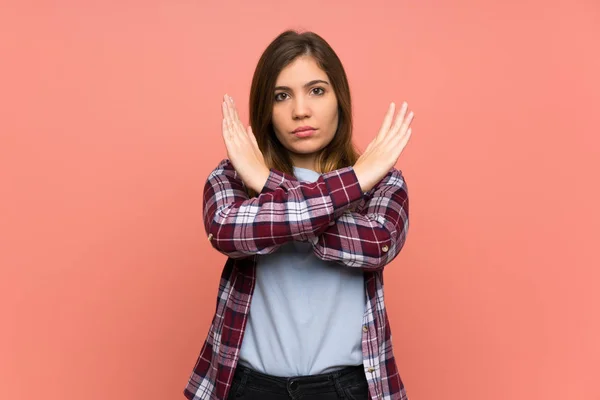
(344, 225)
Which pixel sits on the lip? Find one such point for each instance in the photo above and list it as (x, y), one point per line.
(304, 128)
(304, 134)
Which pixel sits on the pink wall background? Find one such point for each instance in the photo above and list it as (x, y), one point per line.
(110, 123)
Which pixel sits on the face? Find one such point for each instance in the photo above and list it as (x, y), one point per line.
(305, 111)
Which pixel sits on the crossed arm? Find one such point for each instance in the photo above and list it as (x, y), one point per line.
(318, 212)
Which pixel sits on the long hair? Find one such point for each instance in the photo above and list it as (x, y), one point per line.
(283, 50)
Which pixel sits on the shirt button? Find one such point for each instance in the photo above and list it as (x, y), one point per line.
(384, 249)
(210, 236)
(365, 328)
(371, 369)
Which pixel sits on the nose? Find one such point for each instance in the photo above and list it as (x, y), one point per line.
(301, 109)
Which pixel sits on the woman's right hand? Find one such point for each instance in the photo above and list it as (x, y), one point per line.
(383, 152)
(242, 149)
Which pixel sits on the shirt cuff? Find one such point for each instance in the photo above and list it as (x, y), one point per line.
(343, 186)
(275, 179)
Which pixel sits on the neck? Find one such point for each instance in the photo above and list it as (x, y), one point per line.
(306, 162)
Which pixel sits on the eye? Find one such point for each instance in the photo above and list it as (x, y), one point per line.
(278, 98)
(321, 91)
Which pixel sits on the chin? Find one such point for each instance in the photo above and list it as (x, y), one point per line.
(305, 149)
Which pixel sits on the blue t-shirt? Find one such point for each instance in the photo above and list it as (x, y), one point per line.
(306, 314)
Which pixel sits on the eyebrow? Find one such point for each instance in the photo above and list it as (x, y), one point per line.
(305, 85)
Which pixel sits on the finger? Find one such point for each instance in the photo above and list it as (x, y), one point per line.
(226, 112)
(254, 145)
(407, 121)
(235, 119)
(229, 130)
(387, 120)
(232, 125)
(233, 109)
(252, 137)
(399, 118)
(225, 130)
(229, 115)
(405, 139)
(400, 141)
(239, 125)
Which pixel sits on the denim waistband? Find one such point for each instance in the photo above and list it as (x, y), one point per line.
(334, 380)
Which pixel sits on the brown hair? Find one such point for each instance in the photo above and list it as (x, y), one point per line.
(284, 49)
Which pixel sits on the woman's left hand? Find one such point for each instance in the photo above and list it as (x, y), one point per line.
(242, 148)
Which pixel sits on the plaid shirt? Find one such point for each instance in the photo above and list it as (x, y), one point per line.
(344, 225)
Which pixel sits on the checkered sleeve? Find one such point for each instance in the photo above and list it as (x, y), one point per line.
(285, 210)
(373, 237)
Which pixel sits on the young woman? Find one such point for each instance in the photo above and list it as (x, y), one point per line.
(308, 225)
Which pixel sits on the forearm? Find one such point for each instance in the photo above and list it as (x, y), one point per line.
(373, 236)
(355, 240)
(284, 211)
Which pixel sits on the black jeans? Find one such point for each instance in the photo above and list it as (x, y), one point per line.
(349, 383)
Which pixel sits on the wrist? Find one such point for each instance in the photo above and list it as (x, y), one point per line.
(362, 177)
(261, 179)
